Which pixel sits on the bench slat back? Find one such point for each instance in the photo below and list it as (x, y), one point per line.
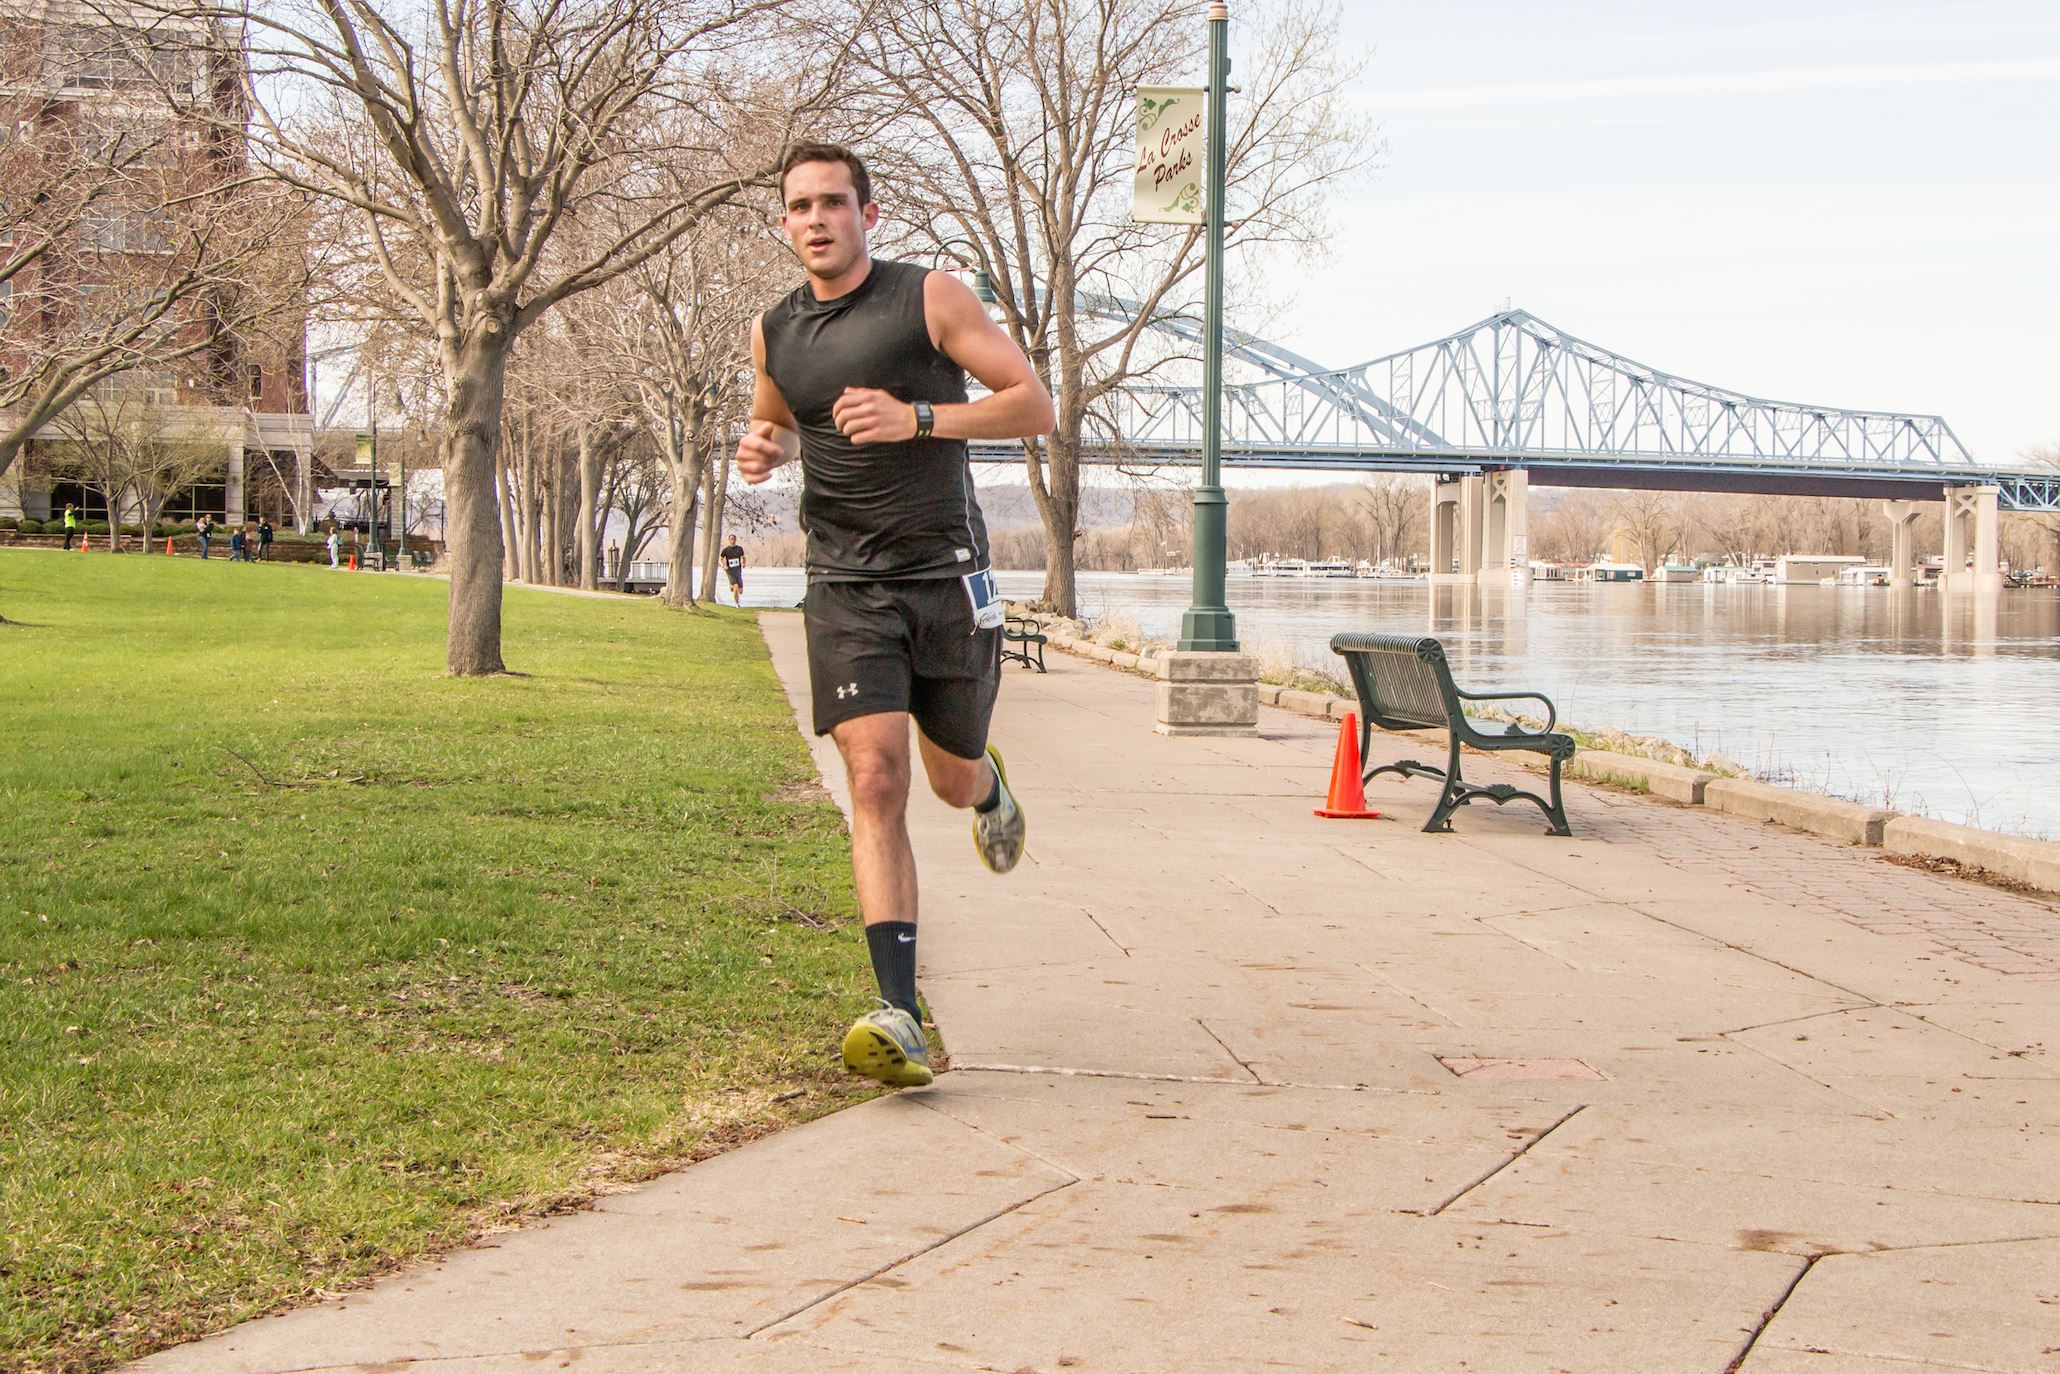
(1403, 681)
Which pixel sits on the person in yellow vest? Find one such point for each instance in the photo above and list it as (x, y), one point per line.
(71, 525)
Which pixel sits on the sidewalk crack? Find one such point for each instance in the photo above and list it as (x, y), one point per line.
(1105, 931)
(915, 1254)
(1228, 1050)
(1767, 1317)
(1527, 1147)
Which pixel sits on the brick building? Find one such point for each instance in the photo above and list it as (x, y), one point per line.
(78, 92)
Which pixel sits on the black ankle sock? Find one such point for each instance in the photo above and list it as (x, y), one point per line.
(993, 796)
(893, 947)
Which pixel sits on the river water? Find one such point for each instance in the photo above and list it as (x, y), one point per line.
(1934, 705)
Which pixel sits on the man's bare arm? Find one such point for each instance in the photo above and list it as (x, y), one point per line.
(1016, 407)
(772, 439)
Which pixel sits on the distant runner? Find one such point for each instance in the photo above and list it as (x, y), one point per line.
(862, 374)
(733, 565)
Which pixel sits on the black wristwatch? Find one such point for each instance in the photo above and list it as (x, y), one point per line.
(926, 419)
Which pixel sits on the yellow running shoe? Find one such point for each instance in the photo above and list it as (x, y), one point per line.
(998, 834)
(888, 1045)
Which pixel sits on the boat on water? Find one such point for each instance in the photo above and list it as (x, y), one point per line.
(1813, 569)
(1867, 575)
(1330, 567)
(1606, 571)
(1676, 572)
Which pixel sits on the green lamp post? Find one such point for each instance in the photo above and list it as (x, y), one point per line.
(983, 284)
(1208, 624)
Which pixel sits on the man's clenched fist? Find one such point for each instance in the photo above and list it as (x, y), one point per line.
(867, 416)
(760, 451)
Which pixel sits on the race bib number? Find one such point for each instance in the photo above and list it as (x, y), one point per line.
(985, 599)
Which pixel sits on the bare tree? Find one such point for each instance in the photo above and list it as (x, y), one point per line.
(127, 240)
(467, 135)
(1016, 128)
(1392, 504)
(130, 445)
(1653, 521)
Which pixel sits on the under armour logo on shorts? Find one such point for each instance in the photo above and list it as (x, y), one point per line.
(851, 691)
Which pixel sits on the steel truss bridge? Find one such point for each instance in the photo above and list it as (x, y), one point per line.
(1514, 392)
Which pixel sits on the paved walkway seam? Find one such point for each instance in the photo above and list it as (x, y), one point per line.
(1767, 1317)
(917, 1253)
(1525, 1149)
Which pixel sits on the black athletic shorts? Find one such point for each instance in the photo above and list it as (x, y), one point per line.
(736, 576)
(907, 645)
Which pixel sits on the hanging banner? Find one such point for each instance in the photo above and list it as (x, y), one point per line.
(1172, 138)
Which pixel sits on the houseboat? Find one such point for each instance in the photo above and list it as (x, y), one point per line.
(1812, 569)
(1606, 571)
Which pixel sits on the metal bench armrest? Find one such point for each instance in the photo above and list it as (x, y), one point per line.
(1551, 711)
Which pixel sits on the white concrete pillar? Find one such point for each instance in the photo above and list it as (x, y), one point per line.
(1902, 538)
(1448, 519)
(1506, 553)
(1473, 501)
(232, 483)
(10, 489)
(1988, 539)
(1952, 573)
(1973, 525)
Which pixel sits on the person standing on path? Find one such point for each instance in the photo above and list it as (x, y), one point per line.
(204, 527)
(862, 375)
(265, 539)
(71, 524)
(334, 543)
(733, 565)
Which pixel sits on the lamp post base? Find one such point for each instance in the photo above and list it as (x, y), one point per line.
(1208, 630)
(1208, 693)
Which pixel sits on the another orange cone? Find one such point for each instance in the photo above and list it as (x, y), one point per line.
(1347, 799)
(168, 549)
(353, 562)
(85, 542)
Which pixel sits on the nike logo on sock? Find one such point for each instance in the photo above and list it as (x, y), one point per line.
(906, 939)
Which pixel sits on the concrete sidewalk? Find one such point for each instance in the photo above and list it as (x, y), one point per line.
(1235, 1088)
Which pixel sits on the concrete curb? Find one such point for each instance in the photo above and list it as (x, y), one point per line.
(1675, 783)
(1827, 816)
(2034, 863)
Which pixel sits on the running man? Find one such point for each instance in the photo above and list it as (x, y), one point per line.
(733, 565)
(862, 375)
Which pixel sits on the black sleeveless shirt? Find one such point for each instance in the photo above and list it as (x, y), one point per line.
(874, 511)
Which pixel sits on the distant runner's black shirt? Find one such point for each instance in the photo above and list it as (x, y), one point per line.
(874, 511)
(733, 557)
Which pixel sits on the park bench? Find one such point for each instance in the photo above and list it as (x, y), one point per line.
(1404, 683)
(1024, 632)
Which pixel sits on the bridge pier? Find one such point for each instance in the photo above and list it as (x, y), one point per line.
(1972, 519)
(1506, 540)
(1902, 538)
(1458, 513)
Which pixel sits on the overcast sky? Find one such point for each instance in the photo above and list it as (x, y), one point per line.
(1847, 204)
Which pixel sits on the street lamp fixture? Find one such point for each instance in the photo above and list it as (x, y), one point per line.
(983, 284)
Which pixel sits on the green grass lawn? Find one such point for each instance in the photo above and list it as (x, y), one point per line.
(313, 960)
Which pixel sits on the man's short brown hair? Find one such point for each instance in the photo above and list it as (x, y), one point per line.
(827, 152)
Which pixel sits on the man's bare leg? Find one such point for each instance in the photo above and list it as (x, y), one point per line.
(883, 865)
(886, 1044)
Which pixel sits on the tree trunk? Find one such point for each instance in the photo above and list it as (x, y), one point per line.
(1060, 512)
(475, 371)
(554, 552)
(589, 536)
(504, 497)
(714, 491)
(525, 507)
(684, 464)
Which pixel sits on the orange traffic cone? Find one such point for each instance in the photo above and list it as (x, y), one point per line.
(1347, 799)
(168, 549)
(85, 542)
(353, 562)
